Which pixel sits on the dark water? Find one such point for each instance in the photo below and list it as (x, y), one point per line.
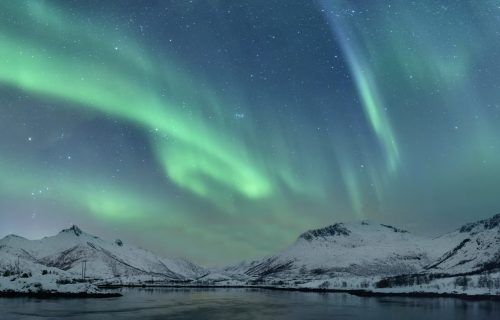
(245, 304)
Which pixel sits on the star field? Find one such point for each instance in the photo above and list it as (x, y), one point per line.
(220, 130)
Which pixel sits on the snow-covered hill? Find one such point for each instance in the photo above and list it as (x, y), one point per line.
(72, 248)
(366, 249)
(358, 249)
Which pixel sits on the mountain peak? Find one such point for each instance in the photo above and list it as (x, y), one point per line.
(335, 229)
(13, 236)
(345, 229)
(73, 229)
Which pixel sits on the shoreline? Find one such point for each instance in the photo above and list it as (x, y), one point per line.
(51, 295)
(355, 292)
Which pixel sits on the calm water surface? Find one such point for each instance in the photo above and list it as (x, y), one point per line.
(245, 304)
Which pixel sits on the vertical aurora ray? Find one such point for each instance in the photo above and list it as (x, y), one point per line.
(416, 62)
(358, 59)
(366, 84)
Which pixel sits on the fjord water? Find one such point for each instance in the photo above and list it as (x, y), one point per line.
(167, 303)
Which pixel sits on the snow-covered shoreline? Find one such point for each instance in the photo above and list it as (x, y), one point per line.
(48, 285)
(57, 294)
(478, 287)
(401, 292)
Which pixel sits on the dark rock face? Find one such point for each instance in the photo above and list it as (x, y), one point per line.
(394, 229)
(269, 267)
(77, 231)
(450, 254)
(66, 259)
(337, 229)
(487, 224)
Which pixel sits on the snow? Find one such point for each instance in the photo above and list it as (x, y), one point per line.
(360, 249)
(356, 256)
(60, 258)
(104, 259)
(365, 249)
(437, 286)
(45, 283)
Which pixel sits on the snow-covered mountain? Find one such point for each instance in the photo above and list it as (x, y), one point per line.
(366, 249)
(344, 252)
(72, 248)
(356, 249)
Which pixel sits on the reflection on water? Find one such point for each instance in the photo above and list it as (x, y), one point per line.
(167, 303)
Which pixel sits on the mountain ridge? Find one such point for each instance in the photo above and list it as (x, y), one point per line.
(69, 248)
(363, 254)
(366, 249)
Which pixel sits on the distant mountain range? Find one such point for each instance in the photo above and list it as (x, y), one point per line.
(318, 257)
(72, 249)
(368, 249)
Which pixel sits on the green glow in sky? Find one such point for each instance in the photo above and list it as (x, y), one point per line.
(222, 130)
(197, 158)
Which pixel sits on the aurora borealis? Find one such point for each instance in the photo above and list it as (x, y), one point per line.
(220, 130)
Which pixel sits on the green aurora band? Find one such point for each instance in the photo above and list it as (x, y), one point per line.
(197, 158)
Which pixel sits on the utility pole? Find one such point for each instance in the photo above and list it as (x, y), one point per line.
(84, 268)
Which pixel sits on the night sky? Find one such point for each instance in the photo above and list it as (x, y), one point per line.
(220, 130)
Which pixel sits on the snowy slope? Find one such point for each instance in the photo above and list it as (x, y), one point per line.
(68, 249)
(15, 259)
(359, 249)
(476, 248)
